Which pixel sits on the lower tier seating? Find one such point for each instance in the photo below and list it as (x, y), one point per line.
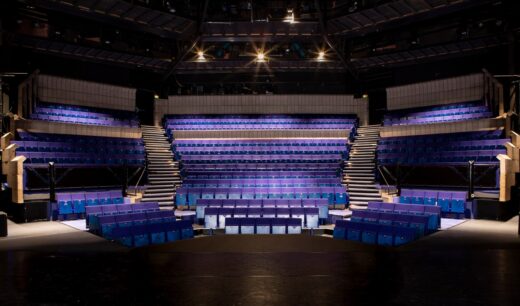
(217, 217)
(373, 233)
(263, 226)
(187, 196)
(321, 204)
(389, 224)
(75, 203)
(92, 212)
(433, 212)
(139, 229)
(448, 201)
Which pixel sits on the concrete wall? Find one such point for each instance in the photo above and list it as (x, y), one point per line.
(443, 91)
(262, 104)
(77, 92)
(443, 128)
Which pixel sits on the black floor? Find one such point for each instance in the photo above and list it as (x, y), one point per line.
(268, 270)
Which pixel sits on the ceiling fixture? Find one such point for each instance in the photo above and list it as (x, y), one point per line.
(260, 57)
(200, 56)
(321, 56)
(290, 16)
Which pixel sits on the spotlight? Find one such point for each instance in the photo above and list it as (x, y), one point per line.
(200, 55)
(290, 16)
(365, 96)
(260, 56)
(321, 56)
(156, 96)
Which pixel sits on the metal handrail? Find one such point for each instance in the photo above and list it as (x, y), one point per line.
(140, 177)
(384, 177)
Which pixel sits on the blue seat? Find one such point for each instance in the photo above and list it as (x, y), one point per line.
(157, 233)
(354, 230)
(186, 229)
(140, 235)
(340, 229)
(385, 235)
(369, 233)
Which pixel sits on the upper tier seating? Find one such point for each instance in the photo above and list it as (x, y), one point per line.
(436, 114)
(275, 168)
(72, 150)
(456, 148)
(84, 115)
(261, 154)
(263, 122)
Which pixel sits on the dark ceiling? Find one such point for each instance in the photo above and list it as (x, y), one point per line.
(154, 44)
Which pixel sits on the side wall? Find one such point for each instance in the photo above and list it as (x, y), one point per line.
(444, 91)
(264, 104)
(77, 92)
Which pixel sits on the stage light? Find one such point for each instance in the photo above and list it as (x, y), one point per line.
(156, 96)
(260, 56)
(290, 16)
(200, 56)
(321, 56)
(365, 96)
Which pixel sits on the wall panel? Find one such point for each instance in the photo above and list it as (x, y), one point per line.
(40, 126)
(437, 92)
(78, 92)
(262, 104)
(442, 128)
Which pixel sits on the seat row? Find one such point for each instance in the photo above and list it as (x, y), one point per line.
(79, 120)
(448, 201)
(279, 174)
(372, 233)
(263, 226)
(282, 182)
(444, 157)
(44, 146)
(79, 159)
(487, 144)
(434, 212)
(104, 223)
(105, 210)
(186, 196)
(76, 202)
(321, 204)
(217, 217)
(343, 151)
(423, 223)
(442, 138)
(227, 143)
(83, 115)
(265, 166)
(158, 233)
(260, 159)
(79, 140)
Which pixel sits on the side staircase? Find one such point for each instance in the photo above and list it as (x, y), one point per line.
(359, 170)
(163, 172)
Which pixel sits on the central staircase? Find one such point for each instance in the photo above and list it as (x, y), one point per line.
(163, 171)
(359, 169)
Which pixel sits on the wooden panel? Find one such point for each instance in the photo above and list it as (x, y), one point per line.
(437, 92)
(39, 126)
(442, 128)
(262, 104)
(77, 92)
